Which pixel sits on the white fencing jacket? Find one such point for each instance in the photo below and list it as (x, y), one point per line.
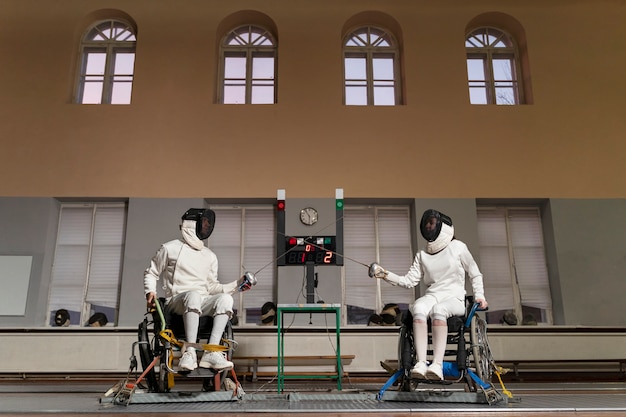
(443, 273)
(184, 268)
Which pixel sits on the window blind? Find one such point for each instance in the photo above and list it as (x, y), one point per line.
(359, 244)
(106, 256)
(512, 258)
(244, 240)
(376, 234)
(394, 237)
(88, 259)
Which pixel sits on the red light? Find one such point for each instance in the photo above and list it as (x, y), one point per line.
(280, 205)
(292, 241)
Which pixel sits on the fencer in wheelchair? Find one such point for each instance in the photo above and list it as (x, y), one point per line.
(441, 268)
(193, 294)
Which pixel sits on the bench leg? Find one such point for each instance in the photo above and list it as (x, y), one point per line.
(255, 369)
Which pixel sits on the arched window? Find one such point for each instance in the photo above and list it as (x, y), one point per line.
(248, 56)
(107, 64)
(371, 68)
(493, 69)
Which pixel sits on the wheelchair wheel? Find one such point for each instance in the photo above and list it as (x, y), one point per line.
(406, 358)
(147, 356)
(480, 349)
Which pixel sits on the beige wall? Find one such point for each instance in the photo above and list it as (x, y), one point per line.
(568, 144)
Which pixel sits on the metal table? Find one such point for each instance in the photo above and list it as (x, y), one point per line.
(306, 308)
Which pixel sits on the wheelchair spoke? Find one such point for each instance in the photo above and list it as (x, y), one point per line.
(480, 349)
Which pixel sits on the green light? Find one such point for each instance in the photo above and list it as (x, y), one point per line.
(326, 241)
(339, 204)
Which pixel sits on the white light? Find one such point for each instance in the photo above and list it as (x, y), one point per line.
(320, 240)
(280, 195)
(300, 241)
(339, 194)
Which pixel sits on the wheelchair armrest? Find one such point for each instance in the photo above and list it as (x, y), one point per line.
(473, 310)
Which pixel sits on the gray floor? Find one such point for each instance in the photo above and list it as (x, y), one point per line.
(87, 398)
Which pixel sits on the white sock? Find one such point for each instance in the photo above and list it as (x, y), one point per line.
(420, 336)
(219, 324)
(440, 341)
(191, 319)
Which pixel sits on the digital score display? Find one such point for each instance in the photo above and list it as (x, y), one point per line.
(316, 250)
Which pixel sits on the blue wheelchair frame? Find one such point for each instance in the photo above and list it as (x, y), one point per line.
(475, 351)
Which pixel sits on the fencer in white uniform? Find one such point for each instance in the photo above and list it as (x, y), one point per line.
(189, 272)
(441, 268)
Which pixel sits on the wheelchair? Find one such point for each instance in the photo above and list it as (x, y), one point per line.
(468, 358)
(161, 336)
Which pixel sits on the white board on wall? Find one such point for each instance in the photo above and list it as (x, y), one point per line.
(14, 280)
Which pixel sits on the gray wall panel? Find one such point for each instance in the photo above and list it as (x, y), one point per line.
(590, 241)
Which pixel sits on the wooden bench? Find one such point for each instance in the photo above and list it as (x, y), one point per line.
(252, 363)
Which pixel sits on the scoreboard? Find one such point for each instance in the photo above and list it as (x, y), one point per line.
(317, 250)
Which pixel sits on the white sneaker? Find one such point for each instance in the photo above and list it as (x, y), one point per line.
(188, 362)
(435, 372)
(215, 360)
(419, 370)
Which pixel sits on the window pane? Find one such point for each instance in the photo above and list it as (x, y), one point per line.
(92, 92)
(262, 94)
(383, 68)
(505, 95)
(355, 68)
(379, 40)
(502, 69)
(473, 41)
(247, 36)
(234, 95)
(384, 95)
(476, 69)
(95, 63)
(124, 63)
(263, 67)
(478, 95)
(235, 67)
(121, 33)
(356, 95)
(358, 38)
(121, 92)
